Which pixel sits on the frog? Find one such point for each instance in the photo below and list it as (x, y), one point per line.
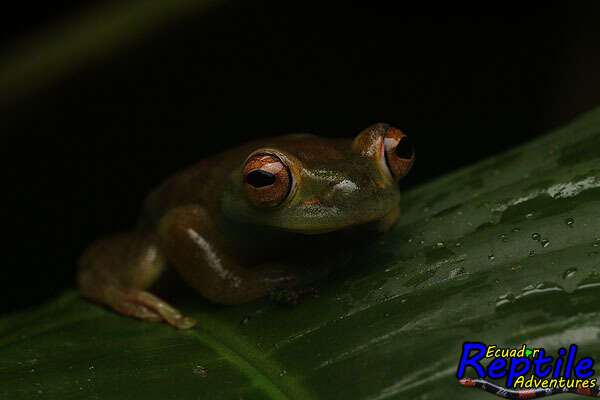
(271, 216)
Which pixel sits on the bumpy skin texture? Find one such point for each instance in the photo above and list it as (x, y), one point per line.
(201, 223)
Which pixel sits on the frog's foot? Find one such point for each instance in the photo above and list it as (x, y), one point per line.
(284, 296)
(292, 296)
(146, 306)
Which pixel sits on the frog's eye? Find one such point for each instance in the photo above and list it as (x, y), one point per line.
(398, 152)
(266, 179)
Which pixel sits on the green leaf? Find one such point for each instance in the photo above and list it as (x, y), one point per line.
(506, 252)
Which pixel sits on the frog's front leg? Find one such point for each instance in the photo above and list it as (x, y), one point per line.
(117, 271)
(199, 251)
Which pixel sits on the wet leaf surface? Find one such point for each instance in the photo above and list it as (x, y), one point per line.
(504, 252)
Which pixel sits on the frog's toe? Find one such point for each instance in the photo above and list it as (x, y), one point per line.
(164, 310)
(137, 311)
(293, 296)
(285, 296)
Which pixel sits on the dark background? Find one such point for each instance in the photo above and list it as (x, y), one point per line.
(80, 155)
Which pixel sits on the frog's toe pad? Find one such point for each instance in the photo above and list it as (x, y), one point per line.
(185, 323)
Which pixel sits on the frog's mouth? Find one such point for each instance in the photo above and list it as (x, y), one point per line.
(318, 219)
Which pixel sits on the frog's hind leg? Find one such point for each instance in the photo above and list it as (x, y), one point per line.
(118, 270)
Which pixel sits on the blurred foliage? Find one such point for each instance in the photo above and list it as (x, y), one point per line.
(41, 59)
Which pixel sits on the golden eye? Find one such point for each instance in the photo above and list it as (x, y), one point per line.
(398, 151)
(267, 180)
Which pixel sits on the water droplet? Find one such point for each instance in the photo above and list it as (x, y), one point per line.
(545, 243)
(505, 299)
(516, 230)
(458, 244)
(422, 242)
(569, 222)
(200, 370)
(529, 215)
(531, 253)
(515, 267)
(491, 257)
(503, 237)
(536, 236)
(569, 273)
(597, 242)
(282, 372)
(456, 272)
(440, 244)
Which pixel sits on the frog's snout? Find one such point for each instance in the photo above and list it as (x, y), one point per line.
(334, 195)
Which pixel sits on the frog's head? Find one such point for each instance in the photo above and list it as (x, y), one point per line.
(308, 184)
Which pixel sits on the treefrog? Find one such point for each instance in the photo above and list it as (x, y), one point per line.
(266, 216)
